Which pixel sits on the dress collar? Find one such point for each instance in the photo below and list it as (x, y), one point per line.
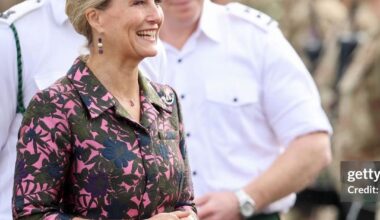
(97, 99)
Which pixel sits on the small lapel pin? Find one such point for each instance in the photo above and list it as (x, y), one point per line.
(168, 98)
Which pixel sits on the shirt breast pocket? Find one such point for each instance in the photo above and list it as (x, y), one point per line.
(232, 93)
(230, 108)
(45, 80)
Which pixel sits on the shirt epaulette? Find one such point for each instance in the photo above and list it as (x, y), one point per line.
(258, 18)
(19, 10)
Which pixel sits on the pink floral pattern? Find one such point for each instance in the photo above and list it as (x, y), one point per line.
(80, 154)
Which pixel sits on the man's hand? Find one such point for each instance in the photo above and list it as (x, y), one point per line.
(216, 206)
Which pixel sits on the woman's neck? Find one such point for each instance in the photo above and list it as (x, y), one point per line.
(119, 76)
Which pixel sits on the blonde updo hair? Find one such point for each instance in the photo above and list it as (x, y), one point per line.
(75, 10)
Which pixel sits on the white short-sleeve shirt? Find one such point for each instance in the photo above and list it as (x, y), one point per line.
(49, 46)
(245, 96)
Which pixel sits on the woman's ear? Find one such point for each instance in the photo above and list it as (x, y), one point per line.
(93, 18)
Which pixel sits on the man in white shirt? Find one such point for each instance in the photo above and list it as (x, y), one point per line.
(256, 132)
(48, 45)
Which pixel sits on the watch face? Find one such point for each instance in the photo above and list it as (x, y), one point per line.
(247, 209)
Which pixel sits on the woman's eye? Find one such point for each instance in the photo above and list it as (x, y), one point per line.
(141, 2)
(138, 2)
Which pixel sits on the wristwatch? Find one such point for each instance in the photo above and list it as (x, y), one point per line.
(246, 203)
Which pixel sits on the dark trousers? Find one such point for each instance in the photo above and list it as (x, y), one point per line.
(274, 216)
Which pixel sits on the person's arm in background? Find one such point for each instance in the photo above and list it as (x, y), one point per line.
(8, 82)
(9, 120)
(294, 170)
(294, 112)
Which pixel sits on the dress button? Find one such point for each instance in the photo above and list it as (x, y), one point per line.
(188, 134)
(235, 99)
(183, 96)
(194, 173)
(179, 60)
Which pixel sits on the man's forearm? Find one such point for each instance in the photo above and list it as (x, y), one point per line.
(295, 169)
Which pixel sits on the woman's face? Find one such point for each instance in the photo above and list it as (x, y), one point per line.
(130, 27)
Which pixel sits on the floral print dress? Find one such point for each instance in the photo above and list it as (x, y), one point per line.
(80, 154)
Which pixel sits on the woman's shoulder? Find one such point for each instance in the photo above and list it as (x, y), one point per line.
(50, 103)
(62, 87)
(53, 97)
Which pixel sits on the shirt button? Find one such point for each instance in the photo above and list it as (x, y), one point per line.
(194, 173)
(183, 96)
(179, 60)
(235, 99)
(187, 134)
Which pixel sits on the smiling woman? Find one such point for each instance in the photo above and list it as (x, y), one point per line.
(104, 142)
